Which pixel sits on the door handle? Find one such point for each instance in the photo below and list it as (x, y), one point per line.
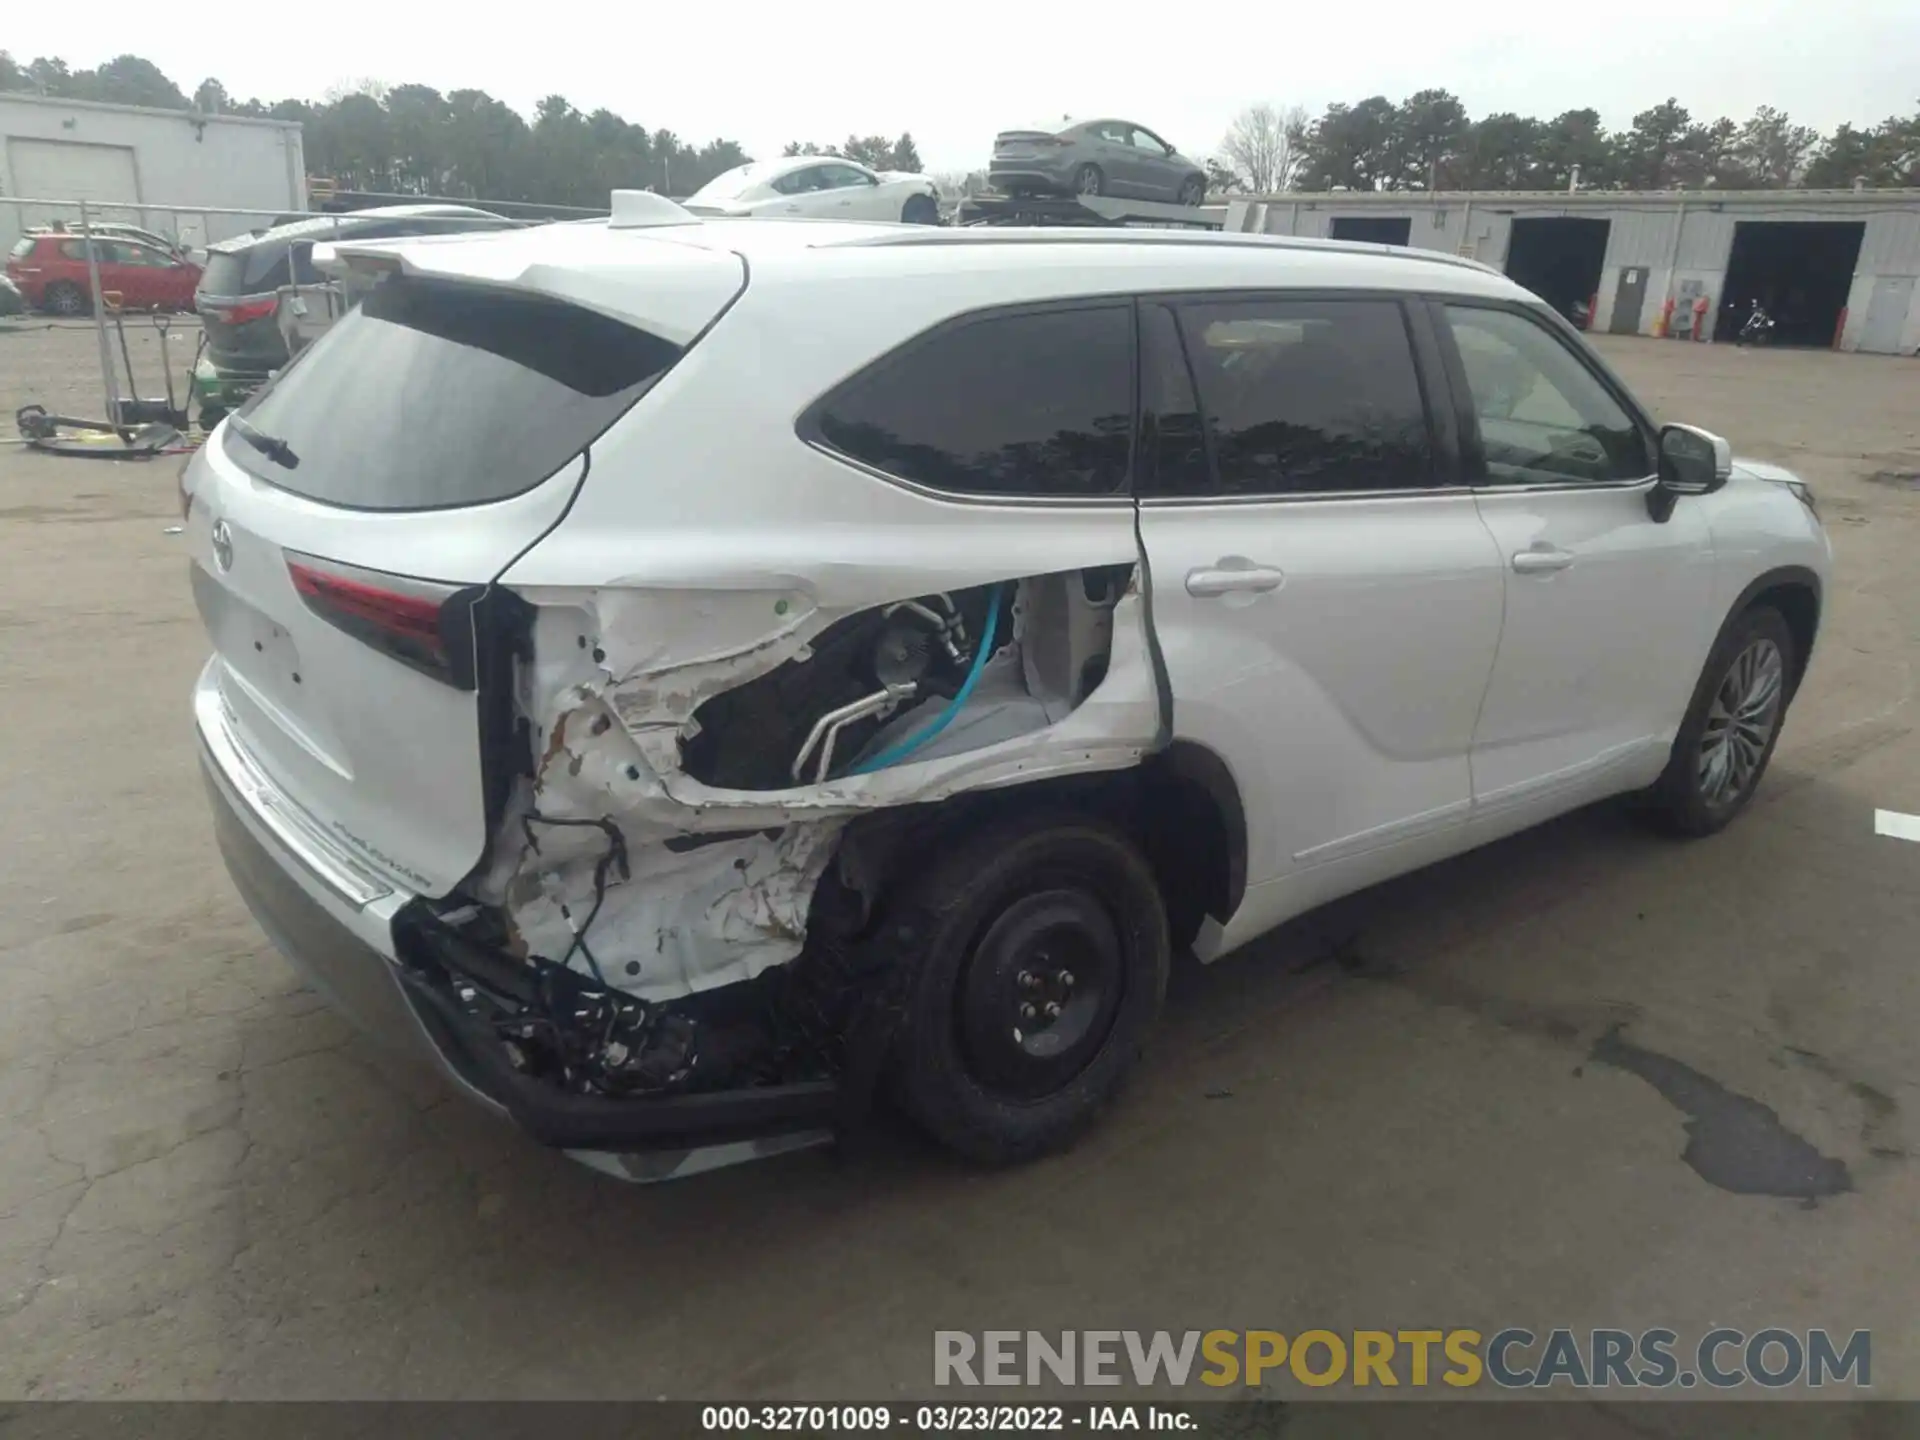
(1542, 560)
(1224, 580)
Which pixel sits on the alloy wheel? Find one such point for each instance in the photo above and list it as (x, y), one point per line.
(1741, 722)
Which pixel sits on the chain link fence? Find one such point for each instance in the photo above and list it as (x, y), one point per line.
(131, 315)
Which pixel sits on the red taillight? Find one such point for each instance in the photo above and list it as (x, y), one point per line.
(422, 624)
(243, 312)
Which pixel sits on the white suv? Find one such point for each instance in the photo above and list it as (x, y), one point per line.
(689, 678)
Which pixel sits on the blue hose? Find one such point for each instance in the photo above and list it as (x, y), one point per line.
(893, 754)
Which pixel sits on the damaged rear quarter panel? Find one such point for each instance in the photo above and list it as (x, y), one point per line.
(707, 549)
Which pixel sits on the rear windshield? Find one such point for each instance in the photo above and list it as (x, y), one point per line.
(431, 396)
(254, 270)
(24, 246)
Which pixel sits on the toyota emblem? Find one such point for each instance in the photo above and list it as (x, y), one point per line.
(222, 545)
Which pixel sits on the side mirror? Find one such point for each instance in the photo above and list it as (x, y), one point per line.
(1693, 461)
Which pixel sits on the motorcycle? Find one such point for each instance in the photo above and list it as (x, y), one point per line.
(1758, 328)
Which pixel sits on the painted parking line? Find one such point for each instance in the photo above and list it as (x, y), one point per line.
(1900, 827)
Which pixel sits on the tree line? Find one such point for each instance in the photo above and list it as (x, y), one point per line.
(414, 140)
(876, 152)
(1428, 141)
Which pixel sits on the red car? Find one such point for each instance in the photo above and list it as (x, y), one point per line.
(51, 273)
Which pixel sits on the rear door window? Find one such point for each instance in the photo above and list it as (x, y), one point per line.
(451, 395)
(1028, 404)
(1296, 396)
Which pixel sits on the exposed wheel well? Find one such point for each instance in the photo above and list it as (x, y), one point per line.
(1181, 806)
(1797, 598)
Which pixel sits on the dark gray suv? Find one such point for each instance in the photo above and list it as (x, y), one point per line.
(1095, 157)
(247, 280)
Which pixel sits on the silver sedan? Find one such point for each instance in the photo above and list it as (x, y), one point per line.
(1095, 157)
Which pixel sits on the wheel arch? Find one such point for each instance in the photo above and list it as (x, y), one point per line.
(1181, 805)
(1796, 592)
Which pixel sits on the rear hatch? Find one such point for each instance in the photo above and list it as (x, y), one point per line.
(345, 523)
(238, 300)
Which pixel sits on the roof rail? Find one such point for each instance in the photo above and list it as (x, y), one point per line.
(1120, 235)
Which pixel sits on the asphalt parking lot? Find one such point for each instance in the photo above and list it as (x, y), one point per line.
(1580, 1078)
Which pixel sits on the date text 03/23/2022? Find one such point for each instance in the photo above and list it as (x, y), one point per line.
(943, 1419)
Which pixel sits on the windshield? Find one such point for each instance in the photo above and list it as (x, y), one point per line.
(730, 186)
(433, 395)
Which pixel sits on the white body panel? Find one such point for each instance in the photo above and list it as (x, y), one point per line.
(1600, 648)
(1400, 693)
(1343, 699)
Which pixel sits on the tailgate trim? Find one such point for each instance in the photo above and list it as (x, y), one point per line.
(302, 835)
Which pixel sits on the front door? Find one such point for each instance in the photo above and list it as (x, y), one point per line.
(1327, 607)
(1119, 162)
(1608, 613)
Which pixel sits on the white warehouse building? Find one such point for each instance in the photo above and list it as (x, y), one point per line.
(1833, 268)
(168, 170)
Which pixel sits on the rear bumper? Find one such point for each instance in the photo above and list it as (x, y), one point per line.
(1032, 174)
(346, 931)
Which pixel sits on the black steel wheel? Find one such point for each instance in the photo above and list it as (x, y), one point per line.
(920, 210)
(1038, 957)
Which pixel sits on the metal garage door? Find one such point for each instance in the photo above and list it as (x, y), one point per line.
(65, 170)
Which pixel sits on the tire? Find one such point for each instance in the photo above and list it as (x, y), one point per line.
(994, 927)
(64, 298)
(920, 210)
(1088, 180)
(1193, 190)
(1715, 767)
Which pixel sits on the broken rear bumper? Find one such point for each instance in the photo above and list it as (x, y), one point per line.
(350, 947)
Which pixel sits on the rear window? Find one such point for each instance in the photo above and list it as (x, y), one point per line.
(23, 247)
(1026, 404)
(431, 396)
(260, 268)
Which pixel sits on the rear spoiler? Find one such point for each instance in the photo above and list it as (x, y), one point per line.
(331, 260)
(672, 291)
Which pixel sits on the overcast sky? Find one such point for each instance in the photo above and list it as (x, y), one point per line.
(953, 74)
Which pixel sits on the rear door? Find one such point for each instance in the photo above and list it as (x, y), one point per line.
(335, 564)
(1327, 602)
